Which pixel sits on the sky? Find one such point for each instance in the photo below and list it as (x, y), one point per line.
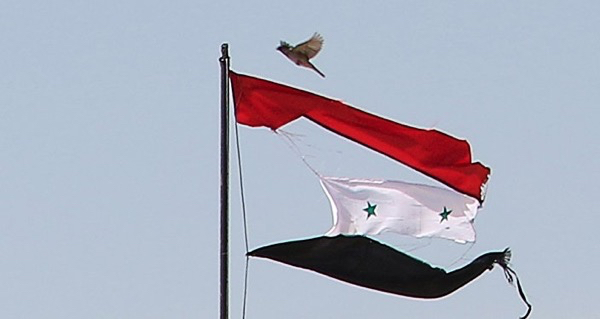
(109, 152)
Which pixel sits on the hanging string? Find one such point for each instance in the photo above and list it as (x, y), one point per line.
(509, 273)
(244, 218)
(425, 243)
(462, 257)
(241, 181)
(287, 139)
(245, 298)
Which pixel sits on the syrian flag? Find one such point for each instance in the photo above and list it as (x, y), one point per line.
(371, 207)
(262, 103)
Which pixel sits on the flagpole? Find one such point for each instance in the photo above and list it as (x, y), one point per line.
(224, 233)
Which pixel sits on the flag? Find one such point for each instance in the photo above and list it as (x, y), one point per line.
(447, 159)
(370, 207)
(365, 262)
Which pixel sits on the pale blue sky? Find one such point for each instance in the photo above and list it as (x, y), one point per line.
(109, 142)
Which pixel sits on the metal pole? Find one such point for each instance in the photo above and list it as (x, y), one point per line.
(224, 241)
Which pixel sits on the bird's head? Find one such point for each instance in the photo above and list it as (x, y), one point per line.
(284, 46)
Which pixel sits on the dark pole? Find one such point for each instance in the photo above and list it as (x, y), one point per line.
(224, 272)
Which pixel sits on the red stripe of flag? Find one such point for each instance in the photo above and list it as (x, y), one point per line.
(447, 159)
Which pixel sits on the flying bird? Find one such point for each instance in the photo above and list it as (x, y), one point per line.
(303, 52)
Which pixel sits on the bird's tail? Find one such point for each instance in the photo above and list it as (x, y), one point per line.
(315, 68)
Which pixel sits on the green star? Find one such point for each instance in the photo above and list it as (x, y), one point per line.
(370, 209)
(445, 214)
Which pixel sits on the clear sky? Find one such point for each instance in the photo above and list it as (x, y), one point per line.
(109, 151)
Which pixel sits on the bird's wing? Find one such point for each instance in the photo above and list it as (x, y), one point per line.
(311, 47)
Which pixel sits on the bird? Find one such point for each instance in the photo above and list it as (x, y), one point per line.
(303, 52)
